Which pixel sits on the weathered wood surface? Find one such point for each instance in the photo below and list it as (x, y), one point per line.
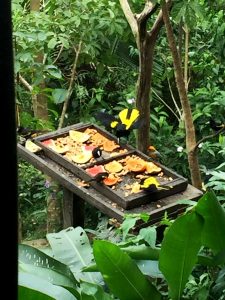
(67, 180)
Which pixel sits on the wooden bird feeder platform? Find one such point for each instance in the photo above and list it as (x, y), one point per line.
(62, 163)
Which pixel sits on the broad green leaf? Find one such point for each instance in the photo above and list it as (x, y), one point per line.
(179, 251)
(33, 287)
(71, 246)
(45, 266)
(59, 95)
(121, 274)
(213, 234)
(90, 291)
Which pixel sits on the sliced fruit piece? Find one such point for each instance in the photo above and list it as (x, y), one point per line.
(95, 170)
(78, 136)
(32, 147)
(48, 143)
(113, 167)
(60, 148)
(110, 180)
(82, 157)
(89, 147)
(136, 188)
(152, 168)
(109, 146)
(136, 164)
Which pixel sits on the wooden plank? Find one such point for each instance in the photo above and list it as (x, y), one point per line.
(68, 180)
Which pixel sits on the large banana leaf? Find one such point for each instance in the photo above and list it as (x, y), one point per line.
(33, 287)
(122, 275)
(51, 268)
(71, 246)
(179, 251)
(213, 234)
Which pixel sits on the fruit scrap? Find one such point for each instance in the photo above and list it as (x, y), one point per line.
(82, 157)
(78, 136)
(95, 170)
(152, 168)
(136, 164)
(109, 146)
(32, 147)
(110, 180)
(113, 167)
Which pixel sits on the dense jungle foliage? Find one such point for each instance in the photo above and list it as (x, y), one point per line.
(83, 53)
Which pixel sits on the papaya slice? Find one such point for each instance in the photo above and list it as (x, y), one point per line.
(110, 180)
(152, 168)
(136, 164)
(78, 136)
(113, 167)
(32, 147)
(109, 146)
(93, 171)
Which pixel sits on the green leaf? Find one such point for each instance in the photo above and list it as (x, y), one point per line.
(150, 268)
(121, 274)
(142, 252)
(45, 266)
(127, 224)
(90, 291)
(52, 43)
(179, 251)
(32, 287)
(149, 235)
(71, 246)
(59, 95)
(213, 234)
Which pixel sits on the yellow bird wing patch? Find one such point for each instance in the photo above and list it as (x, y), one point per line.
(128, 117)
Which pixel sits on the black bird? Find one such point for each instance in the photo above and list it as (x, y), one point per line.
(127, 120)
(99, 177)
(215, 126)
(97, 152)
(28, 133)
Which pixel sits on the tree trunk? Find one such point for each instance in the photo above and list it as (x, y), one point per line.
(54, 208)
(145, 40)
(40, 102)
(143, 91)
(40, 107)
(189, 125)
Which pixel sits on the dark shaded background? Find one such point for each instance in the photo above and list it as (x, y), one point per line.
(8, 181)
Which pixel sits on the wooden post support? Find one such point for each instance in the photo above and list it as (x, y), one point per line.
(73, 209)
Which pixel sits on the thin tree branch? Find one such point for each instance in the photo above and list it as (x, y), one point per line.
(130, 18)
(70, 88)
(25, 83)
(30, 89)
(58, 55)
(186, 81)
(165, 104)
(207, 137)
(159, 21)
(148, 10)
(174, 101)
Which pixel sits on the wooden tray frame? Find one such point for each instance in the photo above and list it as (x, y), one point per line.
(179, 183)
